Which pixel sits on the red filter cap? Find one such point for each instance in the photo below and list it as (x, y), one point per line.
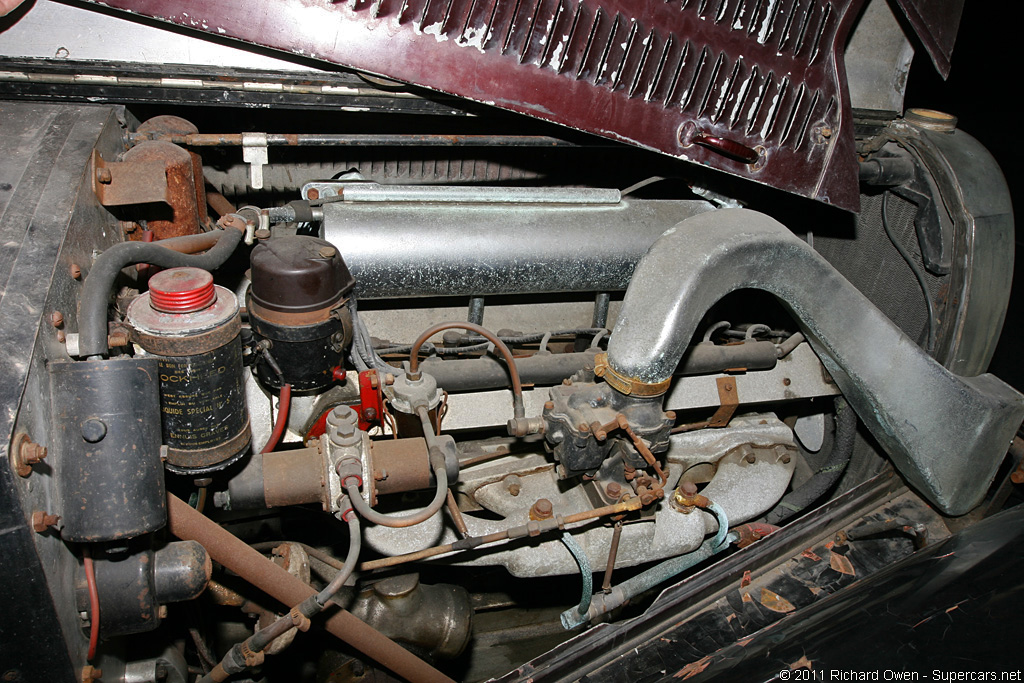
(181, 290)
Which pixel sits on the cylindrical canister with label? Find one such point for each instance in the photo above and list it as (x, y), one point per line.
(192, 326)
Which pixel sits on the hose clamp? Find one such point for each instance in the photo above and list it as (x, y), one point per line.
(625, 384)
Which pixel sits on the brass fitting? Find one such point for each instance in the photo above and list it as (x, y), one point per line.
(624, 384)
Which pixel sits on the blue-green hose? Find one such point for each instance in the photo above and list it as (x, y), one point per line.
(577, 615)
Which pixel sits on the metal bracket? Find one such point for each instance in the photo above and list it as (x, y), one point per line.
(730, 399)
(254, 153)
(120, 183)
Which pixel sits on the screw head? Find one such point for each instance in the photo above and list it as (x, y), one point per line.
(614, 490)
(542, 509)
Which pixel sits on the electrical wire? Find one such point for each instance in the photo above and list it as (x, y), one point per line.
(283, 406)
(918, 273)
(94, 603)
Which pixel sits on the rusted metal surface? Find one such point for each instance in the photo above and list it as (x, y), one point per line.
(188, 524)
(121, 183)
(766, 76)
(25, 453)
(181, 215)
(294, 477)
(400, 465)
(175, 125)
(541, 510)
(729, 398)
(42, 521)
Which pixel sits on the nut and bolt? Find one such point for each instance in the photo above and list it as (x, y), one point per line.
(117, 339)
(90, 673)
(614, 490)
(542, 509)
(25, 453)
(41, 521)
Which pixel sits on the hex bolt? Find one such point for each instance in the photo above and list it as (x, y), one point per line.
(583, 427)
(41, 521)
(542, 509)
(549, 405)
(613, 490)
(32, 453)
(90, 673)
(688, 488)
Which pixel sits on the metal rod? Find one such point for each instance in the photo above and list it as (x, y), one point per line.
(189, 524)
(359, 140)
(453, 510)
(613, 552)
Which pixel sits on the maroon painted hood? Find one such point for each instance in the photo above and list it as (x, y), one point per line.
(755, 88)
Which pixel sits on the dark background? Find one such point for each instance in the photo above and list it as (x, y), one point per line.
(978, 92)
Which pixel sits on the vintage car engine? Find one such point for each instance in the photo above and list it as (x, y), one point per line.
(281, 410)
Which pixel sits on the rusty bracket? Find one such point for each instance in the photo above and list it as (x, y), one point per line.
(729, 399)
(119, 183)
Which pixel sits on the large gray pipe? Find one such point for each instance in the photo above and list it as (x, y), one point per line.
(946, 434)
(420, 249)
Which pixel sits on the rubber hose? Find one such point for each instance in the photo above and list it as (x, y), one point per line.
(826, 477)
(92, 314)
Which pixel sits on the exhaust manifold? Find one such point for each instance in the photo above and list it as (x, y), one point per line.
(946, 434)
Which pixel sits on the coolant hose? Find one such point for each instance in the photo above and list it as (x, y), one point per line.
(351, 484)
(829, 473)
(570, 615)
(602, 603)
(92, 314)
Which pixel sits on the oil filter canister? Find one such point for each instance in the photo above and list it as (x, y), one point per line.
(296, 303)
(193, 327)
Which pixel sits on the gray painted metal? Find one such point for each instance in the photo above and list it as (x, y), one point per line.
(878, 59)
(946, 434)
(425, 249)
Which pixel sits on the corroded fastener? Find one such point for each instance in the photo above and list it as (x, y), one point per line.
(25, 453)
(41, 521)
(90, 673)
(542, 509)
(686, 496)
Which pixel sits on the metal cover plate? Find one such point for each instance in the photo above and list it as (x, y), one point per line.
(764, 74)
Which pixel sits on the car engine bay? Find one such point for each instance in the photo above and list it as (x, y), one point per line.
(428, 392)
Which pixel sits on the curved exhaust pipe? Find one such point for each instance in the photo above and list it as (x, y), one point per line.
(946, 434)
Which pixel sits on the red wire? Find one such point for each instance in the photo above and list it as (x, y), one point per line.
(94, 604)
(282, 418)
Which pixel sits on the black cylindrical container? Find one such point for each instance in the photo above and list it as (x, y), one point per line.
(106, 439)
(296, 303)
(192, 327)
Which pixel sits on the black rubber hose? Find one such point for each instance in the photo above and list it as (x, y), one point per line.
(827, 476)
(92, 314)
